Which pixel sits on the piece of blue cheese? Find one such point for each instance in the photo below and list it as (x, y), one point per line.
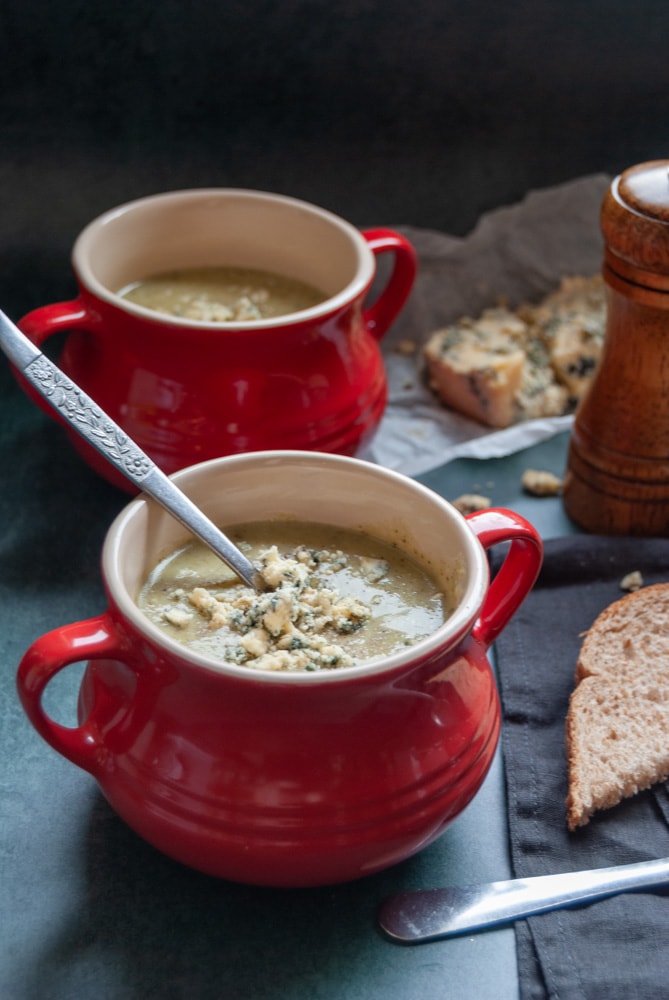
(493, 370)
(512, 365)
(476, 366)
(571, 323)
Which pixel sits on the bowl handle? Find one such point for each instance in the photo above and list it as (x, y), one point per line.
(42, 323)
(94, 638)
(390, 301)
(47, 320)
(517, 574)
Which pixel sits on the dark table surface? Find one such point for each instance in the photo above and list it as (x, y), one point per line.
(430, 121)
(90, 910)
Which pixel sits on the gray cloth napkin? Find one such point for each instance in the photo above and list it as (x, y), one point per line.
(615, 948)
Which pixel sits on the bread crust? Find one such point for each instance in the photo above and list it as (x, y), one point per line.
(617, 726)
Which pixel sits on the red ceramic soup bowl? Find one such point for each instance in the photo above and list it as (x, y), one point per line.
(290, 779)
(188, 390)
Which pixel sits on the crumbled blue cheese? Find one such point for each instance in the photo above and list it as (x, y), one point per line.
(335, 598)
(510, 365)
(373, 569)
(208, 310)
(289, 627)
(571, 322)
(178, 617)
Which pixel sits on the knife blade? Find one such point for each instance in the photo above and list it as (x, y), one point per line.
(430, 914)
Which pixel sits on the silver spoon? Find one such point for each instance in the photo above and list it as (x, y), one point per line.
(100, 431)
(431, 914)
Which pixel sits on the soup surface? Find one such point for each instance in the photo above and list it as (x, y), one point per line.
(338, 598)
(223, 294)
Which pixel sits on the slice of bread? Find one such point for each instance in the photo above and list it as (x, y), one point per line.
(617, 731)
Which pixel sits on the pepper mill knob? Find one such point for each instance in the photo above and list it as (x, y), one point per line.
(617, 478)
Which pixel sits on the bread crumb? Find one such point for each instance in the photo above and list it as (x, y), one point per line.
(632, 581)
(539, 483)
(406, 347)
(468, 503)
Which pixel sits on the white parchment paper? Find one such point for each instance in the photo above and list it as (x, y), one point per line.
(516, 254)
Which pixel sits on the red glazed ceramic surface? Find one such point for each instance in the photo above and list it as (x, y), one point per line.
(302, 778)
(186, 391)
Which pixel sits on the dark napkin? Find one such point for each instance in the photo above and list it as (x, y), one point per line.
(619, 947)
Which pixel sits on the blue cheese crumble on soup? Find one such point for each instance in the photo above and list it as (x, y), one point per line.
(340, 599)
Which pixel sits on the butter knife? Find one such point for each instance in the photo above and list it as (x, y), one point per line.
(430, 914)
(100, 431)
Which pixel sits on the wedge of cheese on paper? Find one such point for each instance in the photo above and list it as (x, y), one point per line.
(508, 365)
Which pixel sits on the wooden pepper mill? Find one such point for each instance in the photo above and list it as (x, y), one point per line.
(617, 478)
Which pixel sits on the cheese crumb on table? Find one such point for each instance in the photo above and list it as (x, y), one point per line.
(539, 483)
(632, 581)
(469, 503)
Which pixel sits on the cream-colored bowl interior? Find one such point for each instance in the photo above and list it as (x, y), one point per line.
(218, 228)
(304, 486)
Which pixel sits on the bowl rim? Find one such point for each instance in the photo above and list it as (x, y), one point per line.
(451, 632)
(358, 285)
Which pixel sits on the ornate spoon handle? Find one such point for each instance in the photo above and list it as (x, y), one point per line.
(100, 431)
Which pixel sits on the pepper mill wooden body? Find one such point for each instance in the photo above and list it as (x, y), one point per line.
(617, 478)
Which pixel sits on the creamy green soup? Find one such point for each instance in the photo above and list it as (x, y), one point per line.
(223, 294)
(336, 598)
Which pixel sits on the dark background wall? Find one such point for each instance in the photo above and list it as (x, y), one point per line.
(420, 112)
